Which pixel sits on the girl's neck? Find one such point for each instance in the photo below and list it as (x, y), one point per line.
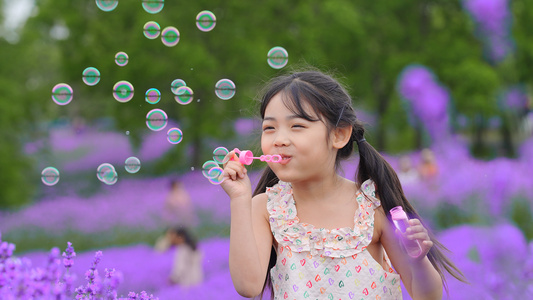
(318, 190)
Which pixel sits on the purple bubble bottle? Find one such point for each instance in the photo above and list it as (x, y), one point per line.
(400, 220)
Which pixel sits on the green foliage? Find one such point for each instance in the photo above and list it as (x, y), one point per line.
(521, 213)
(33, 238)
(368, 42)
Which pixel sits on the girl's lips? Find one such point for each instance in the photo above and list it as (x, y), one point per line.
(285, 159)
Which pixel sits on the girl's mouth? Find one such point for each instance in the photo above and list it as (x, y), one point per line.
(285, 159)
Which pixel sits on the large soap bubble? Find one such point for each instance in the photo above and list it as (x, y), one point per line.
(277, 57)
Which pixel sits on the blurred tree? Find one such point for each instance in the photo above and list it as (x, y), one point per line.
(368, 42)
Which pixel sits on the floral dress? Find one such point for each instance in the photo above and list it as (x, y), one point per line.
(318, 263)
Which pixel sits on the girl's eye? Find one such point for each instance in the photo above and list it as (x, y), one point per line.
(267, 128)
(298, 126)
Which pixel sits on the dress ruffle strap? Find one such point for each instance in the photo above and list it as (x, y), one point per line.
(299, 237)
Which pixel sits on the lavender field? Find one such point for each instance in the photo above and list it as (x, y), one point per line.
(481, 210)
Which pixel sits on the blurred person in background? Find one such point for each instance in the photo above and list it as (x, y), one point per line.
(187, 267)
(428, 168)
(178, 209)
(407, 174)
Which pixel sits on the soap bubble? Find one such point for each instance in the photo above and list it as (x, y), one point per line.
(123, 91)
(174, 135)
(184, 95)
(152, 96)
(121, 59)
(176, 84)
(216, 175)
(277, 57)
(153, 6)
(225, 89)
(91, 76)
(156, 119)
(105, 171)
(110, 177)
(170, 36)
(208, 165)
(62, 94)
(50, 176)
(151, 30)
(132, 164)
(206, 20)
(219, 155)
(107, 5)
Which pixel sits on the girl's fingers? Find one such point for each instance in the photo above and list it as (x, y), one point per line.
(233, 169)
(231, 156)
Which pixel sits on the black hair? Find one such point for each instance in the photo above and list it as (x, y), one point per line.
(186, 235)
(332, 104)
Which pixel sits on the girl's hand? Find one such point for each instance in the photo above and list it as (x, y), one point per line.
(416, 231)
(236, 181)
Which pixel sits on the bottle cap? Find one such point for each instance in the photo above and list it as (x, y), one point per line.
(397, 213)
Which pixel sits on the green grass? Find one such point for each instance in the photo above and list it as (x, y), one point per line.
(35, 238)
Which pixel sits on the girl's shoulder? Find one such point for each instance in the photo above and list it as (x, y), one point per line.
(367, 194)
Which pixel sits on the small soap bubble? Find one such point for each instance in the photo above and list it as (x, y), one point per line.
(216, 175)
(192, 168)
(103, 171)
(219, 155)
(225, 89)
(277, 57)
(170, 36)
(107, 5)
(153, 6)
(50, 176)
(62, 94)
(152, 96)
(156, 119)
(184, 95)
(110, 177)
(121, 59)
(176, 84)
(123, 91)
(132, 164)
(208, 165)
(91, 76)
(174, 135)
(151, 30)
(206, 20)
(127, 133)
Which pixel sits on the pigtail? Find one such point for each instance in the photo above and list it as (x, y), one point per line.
(373, 166)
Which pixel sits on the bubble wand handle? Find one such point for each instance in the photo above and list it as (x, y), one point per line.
(246, 157)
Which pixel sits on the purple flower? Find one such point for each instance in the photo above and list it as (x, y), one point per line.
(97, 258)
(427, 99)
(493, 22)
(68, 255)
(6, 250)
(245, 127)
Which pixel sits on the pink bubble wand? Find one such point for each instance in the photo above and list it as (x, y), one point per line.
(246, 157)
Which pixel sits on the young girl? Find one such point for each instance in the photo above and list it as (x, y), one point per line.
(187, 267)
(310, 233)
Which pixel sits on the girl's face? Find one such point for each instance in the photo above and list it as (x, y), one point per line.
(305, 146)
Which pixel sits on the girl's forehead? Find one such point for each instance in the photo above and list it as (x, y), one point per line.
(281, 102)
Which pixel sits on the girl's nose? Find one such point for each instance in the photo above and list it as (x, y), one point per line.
(281, 140)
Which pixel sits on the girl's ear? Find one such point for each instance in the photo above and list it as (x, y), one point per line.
(341, 136)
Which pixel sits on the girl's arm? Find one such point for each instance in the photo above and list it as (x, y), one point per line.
(418, 275)
(250, 236)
